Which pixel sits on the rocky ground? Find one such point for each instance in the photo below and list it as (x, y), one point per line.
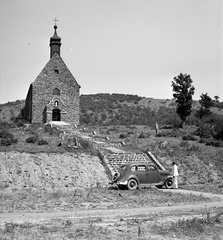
(51, 171)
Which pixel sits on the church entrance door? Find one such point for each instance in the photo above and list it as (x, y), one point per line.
(56, 115)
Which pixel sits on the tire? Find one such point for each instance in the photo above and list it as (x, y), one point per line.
(115, 177)
(132, 184)
(169, 183)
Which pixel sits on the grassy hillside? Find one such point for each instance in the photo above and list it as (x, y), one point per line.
(119, 109)
(199, 162)
(9, 111)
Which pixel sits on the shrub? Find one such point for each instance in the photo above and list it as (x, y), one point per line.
(202, 140)
(144, 135)
(204, 131)
(42, 142)
(20, 123)
(51, 130)
(32, 139)
(122, 136)
(34, 127)
(5, 134)
(219, 135)
(189, 147)
(7, 138)
(85, 144)
(213, 143)
(6, 142)
(4, 125)
(189, 137)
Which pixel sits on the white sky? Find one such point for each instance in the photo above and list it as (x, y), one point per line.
(114, 46)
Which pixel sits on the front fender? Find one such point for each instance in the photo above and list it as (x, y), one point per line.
(164, 178)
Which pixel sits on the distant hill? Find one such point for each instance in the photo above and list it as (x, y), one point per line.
(121, 109)
(115, 109)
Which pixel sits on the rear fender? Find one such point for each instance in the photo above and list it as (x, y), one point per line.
(133, 177)
(122, 180)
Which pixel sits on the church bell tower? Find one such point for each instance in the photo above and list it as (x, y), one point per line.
(55, 42)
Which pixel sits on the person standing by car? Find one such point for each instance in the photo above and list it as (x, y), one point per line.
(175, 175)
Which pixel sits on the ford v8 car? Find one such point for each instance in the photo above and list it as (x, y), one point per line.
(133, 175)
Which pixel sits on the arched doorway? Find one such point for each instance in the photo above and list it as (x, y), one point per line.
(56, 115)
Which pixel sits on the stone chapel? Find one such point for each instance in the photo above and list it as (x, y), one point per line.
(54, 95)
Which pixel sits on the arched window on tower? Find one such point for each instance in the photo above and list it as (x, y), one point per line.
(56, 91)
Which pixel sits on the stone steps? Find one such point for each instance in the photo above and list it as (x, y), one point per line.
(115, 160)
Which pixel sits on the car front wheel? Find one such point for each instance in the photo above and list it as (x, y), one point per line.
(169, 183)
(132, 184)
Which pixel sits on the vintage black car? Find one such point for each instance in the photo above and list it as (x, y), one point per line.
(133, 175)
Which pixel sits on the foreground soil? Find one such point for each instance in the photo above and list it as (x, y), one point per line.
(107, 220)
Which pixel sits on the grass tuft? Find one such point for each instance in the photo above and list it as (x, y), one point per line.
(186, 227)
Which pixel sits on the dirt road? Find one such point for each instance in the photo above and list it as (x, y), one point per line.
(161, 211)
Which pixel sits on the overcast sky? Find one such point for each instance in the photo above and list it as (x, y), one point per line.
(114, 46)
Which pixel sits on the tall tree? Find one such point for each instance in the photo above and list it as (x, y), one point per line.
(206, 102)
(184, 90)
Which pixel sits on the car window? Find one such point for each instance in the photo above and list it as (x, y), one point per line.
(151, 168)
(141, 168)
(133, 168)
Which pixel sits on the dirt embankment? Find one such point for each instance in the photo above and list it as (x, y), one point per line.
(50, 171)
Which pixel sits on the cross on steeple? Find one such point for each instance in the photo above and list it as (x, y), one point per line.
(55, 20)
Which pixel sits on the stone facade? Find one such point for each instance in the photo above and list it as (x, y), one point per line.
(54, 95)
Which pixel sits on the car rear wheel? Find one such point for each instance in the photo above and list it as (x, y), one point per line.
(169, 183)
(132, 184)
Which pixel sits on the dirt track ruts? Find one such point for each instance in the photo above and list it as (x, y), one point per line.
(38, 217)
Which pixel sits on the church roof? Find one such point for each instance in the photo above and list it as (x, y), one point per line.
(48, 72)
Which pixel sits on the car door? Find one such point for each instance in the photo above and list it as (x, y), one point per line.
(142, 173)
(153, 174)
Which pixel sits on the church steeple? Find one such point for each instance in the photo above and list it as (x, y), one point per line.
(55, 42)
